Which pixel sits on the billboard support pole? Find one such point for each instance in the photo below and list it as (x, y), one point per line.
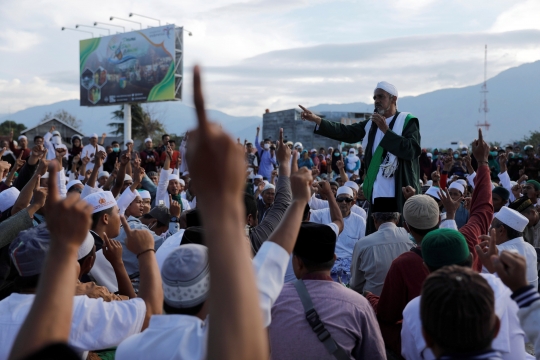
(127, 122)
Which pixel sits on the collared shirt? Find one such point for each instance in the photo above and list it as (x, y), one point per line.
(162, 192)
(353, 230)
(373, 256)
(510, 341)
(185, 337)
(95, 324)
(267, 162)
(316, 204)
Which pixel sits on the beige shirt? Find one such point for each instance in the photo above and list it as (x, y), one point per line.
(532, 235)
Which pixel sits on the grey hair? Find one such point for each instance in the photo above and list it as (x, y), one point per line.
(386, 216)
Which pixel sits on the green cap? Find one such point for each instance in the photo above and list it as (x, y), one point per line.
(535, 184)
(444, 247)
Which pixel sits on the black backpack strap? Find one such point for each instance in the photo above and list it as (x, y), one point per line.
(316, 324)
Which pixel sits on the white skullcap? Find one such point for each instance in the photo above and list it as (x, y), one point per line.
(268, 186)
(462, 182)
(457, 186)
(103, 173)
(298, 144)
(344, 190)
(22, 137)
(513, 183)
(429, 155)
(8, 198)
(128, 178)
(512, 218)
(147, 140)
(352, 185)
(71, 183)
(86, 246)
(258, 176)
(313, 150)
(100, 201)
(433, 191)
(386, 86)
(55, 132)
(61, 146)
(144, 194)
(94, 135)
(130, 141)
(45, 176)
(174, 177)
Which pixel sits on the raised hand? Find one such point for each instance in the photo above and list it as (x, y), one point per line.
(425, 179)
(4, 166)
(450, 205)
(380, 121)
(512, 269)
(315, 171)
(137, 241)
(112, 250)
(447, 163)
(301, 185)
(100, 158)
(480, 148)
(486, 249)
(283, 153)
(408, 191)
(85, 160)
(309, 116)
(340, 164)
(42, 167)
(39, 196)
(125, 158)
(325, 189)
(174, 207)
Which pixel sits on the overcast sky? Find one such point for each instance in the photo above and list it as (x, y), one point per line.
(278, 53)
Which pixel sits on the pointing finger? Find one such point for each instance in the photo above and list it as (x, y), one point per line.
(125, 225)
(198, 99)
(52, 185)
(303, 108)
(480, 136)
(37, 182)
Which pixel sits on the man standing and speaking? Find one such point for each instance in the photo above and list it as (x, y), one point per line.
(391, 140)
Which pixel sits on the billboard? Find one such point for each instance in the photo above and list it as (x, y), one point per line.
(133, 67)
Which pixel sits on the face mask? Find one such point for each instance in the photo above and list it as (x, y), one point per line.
(266, 146)
(493, 153)
(116, 149)
(336, 154)
(344, 154)
(456, 156)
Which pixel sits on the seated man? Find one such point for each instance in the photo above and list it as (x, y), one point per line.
(345, 314)
(444, 247)
(373, 255)
(450, 331)
(354, 229)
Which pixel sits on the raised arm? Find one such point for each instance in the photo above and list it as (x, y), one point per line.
(342, 172)
(18, 164)
(335, 213)
(98, 161)
(257, 145)
(112, 250)
(124, 161)
(28, 190)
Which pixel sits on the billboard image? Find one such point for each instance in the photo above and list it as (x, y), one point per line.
(137, 66)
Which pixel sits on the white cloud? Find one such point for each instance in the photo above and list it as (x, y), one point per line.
(519, 17)
(13, 41)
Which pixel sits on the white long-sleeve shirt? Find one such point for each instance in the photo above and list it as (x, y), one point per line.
(163, 194)
(316, 204)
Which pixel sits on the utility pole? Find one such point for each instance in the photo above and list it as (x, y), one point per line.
(484, 104)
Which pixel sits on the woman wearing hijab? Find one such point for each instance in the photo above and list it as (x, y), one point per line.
(305, 160)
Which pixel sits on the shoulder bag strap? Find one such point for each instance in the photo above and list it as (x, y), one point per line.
(316, 325)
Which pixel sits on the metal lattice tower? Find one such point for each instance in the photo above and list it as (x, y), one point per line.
(484, 103)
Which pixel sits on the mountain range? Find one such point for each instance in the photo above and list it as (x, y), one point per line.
(446, 115)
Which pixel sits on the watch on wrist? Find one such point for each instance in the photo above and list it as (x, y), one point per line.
(174, 219)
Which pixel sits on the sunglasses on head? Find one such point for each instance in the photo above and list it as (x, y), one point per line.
(342, 199)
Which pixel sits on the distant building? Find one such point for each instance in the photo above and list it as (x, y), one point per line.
(295, 129)
(66, 131)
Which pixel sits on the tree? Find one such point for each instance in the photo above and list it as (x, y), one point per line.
(532, 139)
(65, 117)
(9, 125)
(142, 124)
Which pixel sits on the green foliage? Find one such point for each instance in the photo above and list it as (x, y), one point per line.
(9, 125)
(143, 125)
(532, 139)
(65, 117)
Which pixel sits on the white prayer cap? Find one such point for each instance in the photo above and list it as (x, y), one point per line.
(8, 198)
(94, 135)
(144, 194)
(61, 146)
(457, 186)
(462, 182)
(174, 177)
(147, 140)
(512, 218)
(86, 246)
(313, 150)
(100, 201)
(55, 132)
(128, 178)
(352, 185)
(103, 173)
(429, 155)
(513, 183)
(22, 137)
(298, 144)
(430, 182)
(258, 176)
(130, 141)
(386, 86)
(45, 176)
(268, 186)
(71, 183)
(344, 190)
(185, 173)
(433, 191)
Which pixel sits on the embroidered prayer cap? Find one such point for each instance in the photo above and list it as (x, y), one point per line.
(421, 212)
(152, 173)
(144, 194)
(185, 275)
(315, 242)
(510, 218)
(72, 183)
(502, 192)
(175, 177)
(100, 201)
(161, 214)
(22, 137)
(352, 185)
(434, 192)
(8, 198)
(268, 186)
(103, 173)
(521, 204)
(535, 184)
(193, 235)
(389, 88)
(94, 135)
(344, 190)
(444, 247)
(128, 178)
(147, 140)
(459, 187)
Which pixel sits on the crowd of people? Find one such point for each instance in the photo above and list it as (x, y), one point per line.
(375, 251)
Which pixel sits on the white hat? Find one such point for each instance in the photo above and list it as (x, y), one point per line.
(147, 140)
(456, 185)
(462, 182)
(144, 194)
(268, 186)
(185, 173)
(128, 178)
(313, 150)
(130, 141)
(344, 190)
(298, 144)
(86, 246)
(45, 176)
(55, 132)
(429, 155)
(174, 177)
(429, 182)
(94, 135)
(352, 185)
(8, 198)
(22, 137)
(103, 173)
(258, 176)
(71, 183)
(512, 219)
(513, 183)
(433, 191)
(386, 86)
(100, 201)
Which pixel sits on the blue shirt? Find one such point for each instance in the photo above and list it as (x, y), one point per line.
(267, 160)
